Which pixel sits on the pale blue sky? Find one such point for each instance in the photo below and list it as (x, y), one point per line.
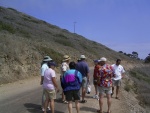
(118, 24)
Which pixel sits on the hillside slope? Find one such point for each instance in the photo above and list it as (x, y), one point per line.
(24, 40)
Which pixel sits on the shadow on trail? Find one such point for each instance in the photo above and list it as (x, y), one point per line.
(88, 109)
(34, 108)
(58, 100)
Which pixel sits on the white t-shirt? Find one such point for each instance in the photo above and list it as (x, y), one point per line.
(64, 67)
(118, 70)
(43, 68)
(47, 82)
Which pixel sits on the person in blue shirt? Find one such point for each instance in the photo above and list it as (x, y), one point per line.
(71, 83)
(83, 68)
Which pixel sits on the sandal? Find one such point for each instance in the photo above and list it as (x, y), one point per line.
(65, 102)
(83, 101)
(99, 111)
(118, 98)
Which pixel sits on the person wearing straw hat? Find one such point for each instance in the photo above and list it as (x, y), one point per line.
(83, 68)
(64, 68)
(44, 66)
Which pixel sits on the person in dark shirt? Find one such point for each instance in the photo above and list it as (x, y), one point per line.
(83, 68)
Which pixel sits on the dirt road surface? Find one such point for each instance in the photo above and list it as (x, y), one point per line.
(24, 96)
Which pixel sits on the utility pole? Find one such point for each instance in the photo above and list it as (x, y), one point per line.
(75, 26)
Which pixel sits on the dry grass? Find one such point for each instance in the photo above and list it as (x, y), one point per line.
(141, 77)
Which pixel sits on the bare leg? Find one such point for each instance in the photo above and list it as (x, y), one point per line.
(77, 106)
(83, 93)
(95, 89)
(101, 96)
(43, 99)
(52, 105)
(117, 91)
(63, 96)
(70, 106)
(108, 101)
(46, 105)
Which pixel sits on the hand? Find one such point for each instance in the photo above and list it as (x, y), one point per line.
(57, 90)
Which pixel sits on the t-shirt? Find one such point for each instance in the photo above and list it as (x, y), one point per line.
(64, 67)
(71, 80)
(96, 71)
(105, 75)
(47, 82)
(83, 67)
(43, 68)
(118, 70)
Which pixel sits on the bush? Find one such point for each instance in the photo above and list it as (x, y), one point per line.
(6, 27)
(52, 53)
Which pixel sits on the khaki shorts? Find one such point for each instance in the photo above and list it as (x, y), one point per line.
(84, 82)
(103, 90)
(117, 82)
(50, 94)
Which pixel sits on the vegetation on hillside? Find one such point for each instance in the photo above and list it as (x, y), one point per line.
(141, 77)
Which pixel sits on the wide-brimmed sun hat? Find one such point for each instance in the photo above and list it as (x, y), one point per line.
(103, 59)
(82, 57)
(47, 58)
(66, 57)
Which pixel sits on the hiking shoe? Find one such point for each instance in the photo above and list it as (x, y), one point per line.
(83, 101)
(96, 96)
(43, 109)
(49, 108)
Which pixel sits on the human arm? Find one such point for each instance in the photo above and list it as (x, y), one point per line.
(42, 78)
(55, 83)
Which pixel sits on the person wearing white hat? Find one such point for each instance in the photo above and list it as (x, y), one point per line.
(83, 68)
(64, 68)
(105, 83)
(44, 66)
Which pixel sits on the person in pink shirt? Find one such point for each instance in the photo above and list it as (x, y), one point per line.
(50, 86)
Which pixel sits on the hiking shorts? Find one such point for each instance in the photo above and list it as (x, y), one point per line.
(72, 94)
(117, 82)
(84, 82)
(50, 94)
(94, 81)
(104, 90)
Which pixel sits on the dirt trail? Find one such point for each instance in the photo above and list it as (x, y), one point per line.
(125, 105)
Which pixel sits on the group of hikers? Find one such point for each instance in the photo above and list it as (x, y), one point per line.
(75, 76)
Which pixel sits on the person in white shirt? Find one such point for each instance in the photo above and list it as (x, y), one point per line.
(44, 66)
(119, 73)
(64, 67)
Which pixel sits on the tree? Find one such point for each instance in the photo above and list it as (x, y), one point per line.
(147, 59)
(120, 52)
(135, 54)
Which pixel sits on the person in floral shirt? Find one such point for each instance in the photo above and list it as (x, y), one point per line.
(105, 83)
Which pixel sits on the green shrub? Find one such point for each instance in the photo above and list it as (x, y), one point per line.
(13, 9)
(140, 75)
(25, 34)
(52, 53)
(7, 27)
(128, 86)
(63, 40)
